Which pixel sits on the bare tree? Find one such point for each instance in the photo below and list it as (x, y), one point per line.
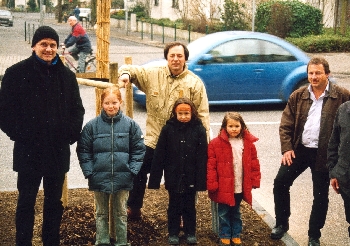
(183, 10)
(59, 14)
(198, 13)
(335, 16)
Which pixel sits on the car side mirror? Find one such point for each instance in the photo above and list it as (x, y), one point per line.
(205, 59)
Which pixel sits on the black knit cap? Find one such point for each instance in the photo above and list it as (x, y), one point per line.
(44, 32)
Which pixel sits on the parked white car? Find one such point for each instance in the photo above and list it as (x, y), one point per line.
(85, 13)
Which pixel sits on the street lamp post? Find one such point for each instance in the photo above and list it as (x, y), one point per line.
(253, 15)
(126, 16)
(41, 12)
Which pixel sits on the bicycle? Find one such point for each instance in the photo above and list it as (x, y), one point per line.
(71, 63)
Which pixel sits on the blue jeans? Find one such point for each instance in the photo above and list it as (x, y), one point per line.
(230, 221)
(102, 201)
(28, 186)
(82, 57)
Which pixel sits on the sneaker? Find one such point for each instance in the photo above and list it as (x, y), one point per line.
(225, 241)
(134, 213)
(236, 241)
(191, 239)
(173, 240)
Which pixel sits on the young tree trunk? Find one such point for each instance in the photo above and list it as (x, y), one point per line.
(59, 11)
(103, 33)
(343, 17)
(93, 12)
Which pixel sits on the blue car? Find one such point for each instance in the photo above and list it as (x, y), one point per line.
(241, 67)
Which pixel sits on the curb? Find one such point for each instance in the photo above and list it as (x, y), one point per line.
(270, 221)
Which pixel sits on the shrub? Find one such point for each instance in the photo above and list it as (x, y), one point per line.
(120, 14)
(234, 17)
(322, 43)
(32, 5)
(280, 23)
(140, 9)
(306, 20)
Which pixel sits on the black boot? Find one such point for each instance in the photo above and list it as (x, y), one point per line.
(278, 231)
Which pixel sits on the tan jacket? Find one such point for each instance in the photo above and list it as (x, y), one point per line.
(162, 90)
(295, 115)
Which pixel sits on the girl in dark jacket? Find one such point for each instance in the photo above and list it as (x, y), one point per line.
(233, 170)
(181, 152)
(110, 153)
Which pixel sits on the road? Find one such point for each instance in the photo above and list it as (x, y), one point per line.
(262, 122)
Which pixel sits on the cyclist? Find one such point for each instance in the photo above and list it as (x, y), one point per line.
(78, 43)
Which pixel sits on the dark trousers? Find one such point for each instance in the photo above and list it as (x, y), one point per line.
(182, 205)
(28, 186)
(305, 157)
(137, 193)
(346, 199)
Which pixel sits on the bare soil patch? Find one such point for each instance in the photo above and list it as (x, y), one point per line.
(78, 223)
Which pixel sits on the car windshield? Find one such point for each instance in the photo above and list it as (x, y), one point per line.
(5, 13)
(195, 47)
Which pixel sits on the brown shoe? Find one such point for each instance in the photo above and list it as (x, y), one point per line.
(134, 213)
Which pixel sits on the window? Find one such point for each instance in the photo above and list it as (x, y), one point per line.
(250, 50)
(156, 2)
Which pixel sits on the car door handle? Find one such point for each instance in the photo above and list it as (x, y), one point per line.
(259, 70)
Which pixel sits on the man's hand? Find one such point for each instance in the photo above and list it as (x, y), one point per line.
(287, 158)
(123, 80)
(335, 185)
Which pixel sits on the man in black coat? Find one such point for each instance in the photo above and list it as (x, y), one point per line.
(338, 161)
(41, 111)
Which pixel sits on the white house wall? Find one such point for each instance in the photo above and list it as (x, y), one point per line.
(163, 10)
(327, 7)
(20, 2)
(54, 2)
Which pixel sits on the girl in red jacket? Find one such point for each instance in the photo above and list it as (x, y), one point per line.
(233, 170)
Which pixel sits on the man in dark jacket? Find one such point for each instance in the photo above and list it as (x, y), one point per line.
(42, 112)
(339, 158)
(78, 43)
(76, 12)
(305, 129)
